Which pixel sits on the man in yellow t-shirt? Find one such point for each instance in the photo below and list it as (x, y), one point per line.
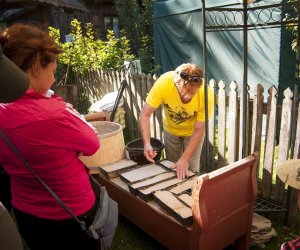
(181, 92)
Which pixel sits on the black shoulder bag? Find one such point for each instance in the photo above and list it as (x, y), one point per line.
(105, 219)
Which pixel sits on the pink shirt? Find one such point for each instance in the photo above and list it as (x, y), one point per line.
(49, 134)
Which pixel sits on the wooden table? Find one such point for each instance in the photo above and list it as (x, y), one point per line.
(147, 215)
(222, 209)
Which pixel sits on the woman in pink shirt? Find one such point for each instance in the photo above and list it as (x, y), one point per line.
(50, 135)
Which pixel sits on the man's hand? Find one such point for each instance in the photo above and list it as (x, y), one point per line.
(181, 167)
(149, 153)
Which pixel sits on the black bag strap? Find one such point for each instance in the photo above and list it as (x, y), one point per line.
(54, 195)
(95, 180)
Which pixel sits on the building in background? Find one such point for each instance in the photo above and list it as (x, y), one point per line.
(59, 13)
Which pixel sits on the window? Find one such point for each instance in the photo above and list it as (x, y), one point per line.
(112, 23)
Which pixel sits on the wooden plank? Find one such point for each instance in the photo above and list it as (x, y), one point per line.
(284, 141)
(243, 114)
(257, 121)
(222, 124)
(120, 183)
(174, 206)
(297, 140)
(293, 201)
(113, 169)
(142, 173)
(212, 128)
(169, 165)
(233, 121)
(150, 181)
(270, 144)
(146, 193)
(186, 199)
(184, 186)
(166, 163)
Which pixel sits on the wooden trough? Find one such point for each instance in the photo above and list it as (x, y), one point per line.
(221, 207)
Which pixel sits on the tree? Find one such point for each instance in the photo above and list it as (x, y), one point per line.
(136, 19)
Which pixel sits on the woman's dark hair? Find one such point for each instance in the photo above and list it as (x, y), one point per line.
(26, 44)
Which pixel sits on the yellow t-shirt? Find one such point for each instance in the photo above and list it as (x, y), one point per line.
(178, 118)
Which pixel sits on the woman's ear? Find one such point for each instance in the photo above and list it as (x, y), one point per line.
(35, 69)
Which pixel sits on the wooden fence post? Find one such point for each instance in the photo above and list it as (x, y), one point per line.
(212, 128)
(284, 141)
(233, 123)
(257, 122)
(222, 124)
(270, 143)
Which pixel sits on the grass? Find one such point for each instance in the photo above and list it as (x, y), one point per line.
(128, 236)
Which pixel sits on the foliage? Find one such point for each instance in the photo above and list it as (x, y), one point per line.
(136, 18)
(293, 28)
(84, 52)
(293, 17)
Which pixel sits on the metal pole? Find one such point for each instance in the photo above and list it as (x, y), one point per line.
(207, 166)
(245, 78)
(288, 218)
(296, 92)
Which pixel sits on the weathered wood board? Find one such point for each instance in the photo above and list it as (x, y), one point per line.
(169, 165)
(142, 173)
(150, 181)
(166, 163)
(174, 206)
(120, 183)
(184, 186)
(113, 169)
(146, 193)
(186, 198)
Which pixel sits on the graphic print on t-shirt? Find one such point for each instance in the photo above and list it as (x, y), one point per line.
(179, 114)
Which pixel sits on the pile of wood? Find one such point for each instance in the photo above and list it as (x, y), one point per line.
(156, 182)
(177, 200)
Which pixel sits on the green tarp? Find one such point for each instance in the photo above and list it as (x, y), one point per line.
(178, 38)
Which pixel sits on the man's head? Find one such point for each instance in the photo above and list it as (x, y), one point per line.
(188, 74)
(188, 79)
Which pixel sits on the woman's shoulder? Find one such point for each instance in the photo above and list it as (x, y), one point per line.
(31, 107)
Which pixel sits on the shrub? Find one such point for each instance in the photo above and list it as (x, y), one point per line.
(84, 52)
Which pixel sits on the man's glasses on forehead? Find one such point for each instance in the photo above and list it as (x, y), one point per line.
(190, 78)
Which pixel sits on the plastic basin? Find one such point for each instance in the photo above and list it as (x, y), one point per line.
(135, 150)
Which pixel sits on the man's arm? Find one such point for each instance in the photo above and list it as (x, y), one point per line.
(144, 123)
(183, 163)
